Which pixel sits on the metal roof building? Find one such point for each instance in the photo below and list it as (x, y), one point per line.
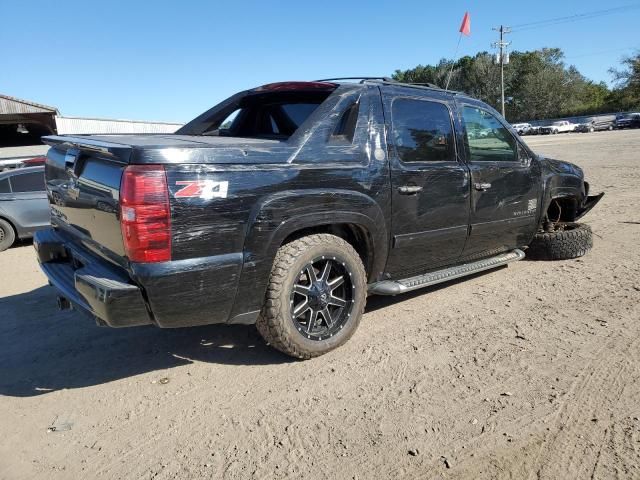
(16, 106)
(17, 114)
(23, 122)
(79, 125)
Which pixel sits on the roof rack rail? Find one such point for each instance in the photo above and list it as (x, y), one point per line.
(362, 79)
(425, 84)
(391, 81)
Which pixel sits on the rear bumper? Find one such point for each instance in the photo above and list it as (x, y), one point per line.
(179, 293)
(90, 285)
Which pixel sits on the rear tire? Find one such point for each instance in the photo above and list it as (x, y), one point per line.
(570, 240)
(7, 235)
(302, 291)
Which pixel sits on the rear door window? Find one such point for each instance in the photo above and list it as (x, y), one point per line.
(4, 186)
(422, 131)
(28, 182)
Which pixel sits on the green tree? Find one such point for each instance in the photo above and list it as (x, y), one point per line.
(626, 95)
(538, 84)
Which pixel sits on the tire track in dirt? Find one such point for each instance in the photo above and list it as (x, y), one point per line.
(587, 414)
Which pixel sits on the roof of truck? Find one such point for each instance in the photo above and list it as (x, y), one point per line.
(391, 82)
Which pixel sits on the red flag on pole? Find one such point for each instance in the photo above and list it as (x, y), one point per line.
(465, 28)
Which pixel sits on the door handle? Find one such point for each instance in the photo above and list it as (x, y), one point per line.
(409, 189)
(482, 186)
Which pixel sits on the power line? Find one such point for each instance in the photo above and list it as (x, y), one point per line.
(573, 18)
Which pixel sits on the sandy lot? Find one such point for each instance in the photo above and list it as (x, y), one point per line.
(527, 372)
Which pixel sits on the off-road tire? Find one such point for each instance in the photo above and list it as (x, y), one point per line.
(275, 322)
(7, 235)
(571, 240)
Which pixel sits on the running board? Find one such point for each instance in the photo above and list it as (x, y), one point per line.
(394, 287)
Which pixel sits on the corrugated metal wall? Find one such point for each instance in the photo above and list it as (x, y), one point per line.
(15, 106)
(76, 125)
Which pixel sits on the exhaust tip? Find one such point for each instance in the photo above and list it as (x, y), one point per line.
(63, 304)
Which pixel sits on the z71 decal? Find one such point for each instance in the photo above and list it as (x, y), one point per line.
(205, 189)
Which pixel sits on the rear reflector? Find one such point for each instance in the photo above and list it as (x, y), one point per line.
(145, 215)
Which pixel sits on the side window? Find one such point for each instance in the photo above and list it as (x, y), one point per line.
(346, 127)
(227, 122)
(4, 186)
(28, 182)
(488, 139)
(422, 131)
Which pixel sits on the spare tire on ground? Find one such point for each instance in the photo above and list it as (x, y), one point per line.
(568, 240)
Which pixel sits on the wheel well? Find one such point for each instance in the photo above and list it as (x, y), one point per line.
(563, 209)
(15, 231)
(357, 236)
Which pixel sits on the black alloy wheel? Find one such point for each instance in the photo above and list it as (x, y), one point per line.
(315, 297)
(322, 298)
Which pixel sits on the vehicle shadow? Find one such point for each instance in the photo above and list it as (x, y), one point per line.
(22, 242)
(44, 350)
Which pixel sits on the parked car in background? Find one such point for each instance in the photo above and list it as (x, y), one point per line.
(595, 126)
(628, 120)
(562, 126)
(24, 208)
(14, 157)
(522, 128)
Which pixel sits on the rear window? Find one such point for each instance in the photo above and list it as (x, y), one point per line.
(422, 131)
(260, 115)
(28, 182)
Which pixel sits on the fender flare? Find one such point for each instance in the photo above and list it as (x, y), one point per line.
(278, 216)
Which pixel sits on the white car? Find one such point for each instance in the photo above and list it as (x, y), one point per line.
(561, 126)
(522, 128)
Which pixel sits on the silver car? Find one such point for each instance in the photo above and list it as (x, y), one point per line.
(23, 204)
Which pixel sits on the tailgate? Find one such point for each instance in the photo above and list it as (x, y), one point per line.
(83, 185)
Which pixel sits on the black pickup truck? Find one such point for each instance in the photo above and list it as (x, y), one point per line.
(287, 204)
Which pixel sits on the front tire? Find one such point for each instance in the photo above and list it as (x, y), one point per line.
(315, 298)
(569, 240)
(7, 235)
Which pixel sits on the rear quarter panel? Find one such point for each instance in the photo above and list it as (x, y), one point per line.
(248, 210)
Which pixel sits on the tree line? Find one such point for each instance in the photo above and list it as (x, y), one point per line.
(538, 84)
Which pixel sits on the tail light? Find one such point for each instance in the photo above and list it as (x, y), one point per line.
(145, 216)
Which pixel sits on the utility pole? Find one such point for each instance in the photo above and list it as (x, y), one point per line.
(502, 56)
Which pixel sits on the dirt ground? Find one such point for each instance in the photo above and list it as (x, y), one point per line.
(526, 372)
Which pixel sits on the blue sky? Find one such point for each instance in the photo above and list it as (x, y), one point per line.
(168, 60)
